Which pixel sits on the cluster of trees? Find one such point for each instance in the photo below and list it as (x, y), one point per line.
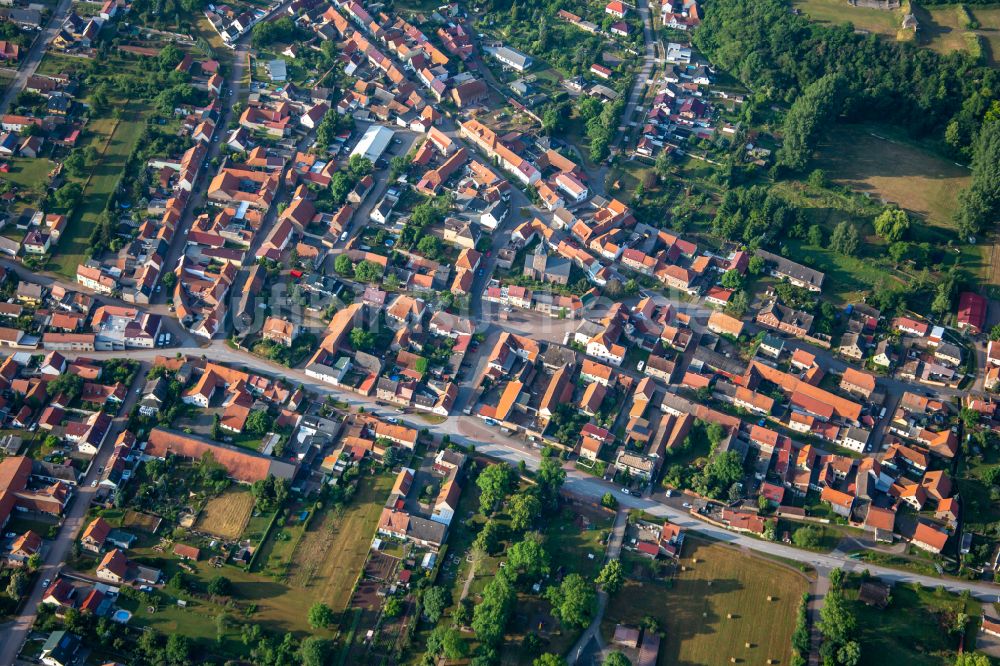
(838, 625)
(266, 33)
(749, 214)
(426, 214)
(827, 71)
(364, 271)
(601, 123)
(809, 115)
(269, 493)
(801, 641)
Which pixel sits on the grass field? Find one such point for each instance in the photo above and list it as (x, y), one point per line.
(226, 516)
(322, 562)
(115, 141)
(693, 610)
(839, 11)
(941, 29)
(913, 629)
(864, 158)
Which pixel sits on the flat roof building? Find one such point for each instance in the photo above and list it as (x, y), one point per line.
(373, 143)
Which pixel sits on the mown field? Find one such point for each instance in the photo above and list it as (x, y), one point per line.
(226, 516)
(941, 28)
(694, 610)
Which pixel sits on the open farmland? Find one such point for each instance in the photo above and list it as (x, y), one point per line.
(226, 516)
(693, 611)
(865, 159)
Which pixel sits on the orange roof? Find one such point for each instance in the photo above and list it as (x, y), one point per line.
(930, 536)
(845, 409)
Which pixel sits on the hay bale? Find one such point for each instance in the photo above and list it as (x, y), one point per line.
(770, 598)
(729, 616)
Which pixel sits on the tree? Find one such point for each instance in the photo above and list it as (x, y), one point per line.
(435, 600)
(429, 246)
(549, 659)
(549, 478)
(360, 166)
(258, 422)
(361, 339)
(343, 264)
(806, 537)
(17, 585)
(815, 235)
(524, 510)
(219, 586)
(574, 601)
(393, 607)
(68, 384)
(367, 271)
(845, 238)
(315, 651)
(495, 483)
(488, 539)
(617, 659)
(609, 501)
(489, 617)
(178, 649)
(892, 224)
(756, 265)
(972, 659)
(836, 621)
(612, 577)
(732, 279)
(320, 615)
(528, 557)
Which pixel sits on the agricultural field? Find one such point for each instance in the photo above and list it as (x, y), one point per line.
(227, 515)
(715, 606)
(914, 628)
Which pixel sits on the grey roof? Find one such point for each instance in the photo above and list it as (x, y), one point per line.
(793, 269)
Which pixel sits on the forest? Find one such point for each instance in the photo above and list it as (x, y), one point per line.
(832, 74)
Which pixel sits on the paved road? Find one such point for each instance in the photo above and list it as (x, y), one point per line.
(639, 86)
(197, 199)
(30, 62)
(14, 633)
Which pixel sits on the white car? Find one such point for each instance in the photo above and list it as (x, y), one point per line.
(686, 505)
(93, 484)
(625, 491)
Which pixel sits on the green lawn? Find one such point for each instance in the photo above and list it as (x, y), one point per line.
(116, 140)
(913, 628)
(694, 608)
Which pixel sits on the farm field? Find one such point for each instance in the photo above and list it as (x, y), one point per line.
(914, 628)
(226, 516)
(693, 610)
(142, 521)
